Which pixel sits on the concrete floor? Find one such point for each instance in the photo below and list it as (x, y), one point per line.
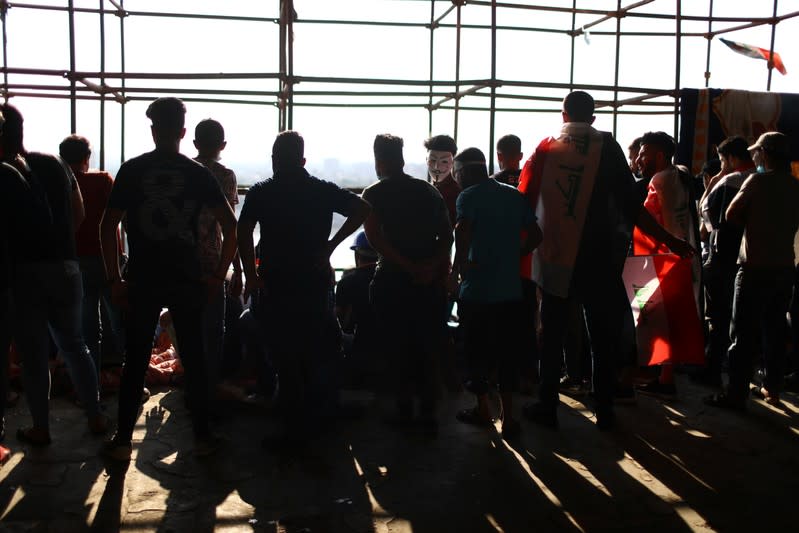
(668, 467)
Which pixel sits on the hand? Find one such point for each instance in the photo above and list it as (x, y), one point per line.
(235, 286)
(119, 294)
(252, 285)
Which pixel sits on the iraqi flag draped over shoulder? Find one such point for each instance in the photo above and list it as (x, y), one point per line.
(667, 325)
(758, 53)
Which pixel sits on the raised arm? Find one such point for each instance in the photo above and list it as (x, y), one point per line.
(359, 210)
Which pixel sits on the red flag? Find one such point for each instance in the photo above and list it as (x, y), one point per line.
(667, 326)
(758, 53)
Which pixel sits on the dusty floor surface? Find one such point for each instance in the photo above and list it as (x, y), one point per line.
(673, 467)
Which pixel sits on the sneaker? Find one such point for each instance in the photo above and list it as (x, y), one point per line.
(116, 450)
(207, 446)
(765, 395)
(664, 391)
(145, 395)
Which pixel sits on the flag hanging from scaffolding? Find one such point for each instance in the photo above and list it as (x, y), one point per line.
(758, 53)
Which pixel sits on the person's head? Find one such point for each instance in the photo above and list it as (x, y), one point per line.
(578, 106)
(75, 150)
(12, 131)
(440, 151)
(771, 151)
(632, 155)
(734, 152)
(470, 168)
(168, 116)
(388, 155)
(364, 253)
(509, 152)
(288, 152)
(657, 150)
(209, 138)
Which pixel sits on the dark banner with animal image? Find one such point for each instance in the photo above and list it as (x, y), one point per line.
(708, 116)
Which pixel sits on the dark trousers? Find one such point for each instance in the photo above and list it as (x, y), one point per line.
(185, 302)
(492, 336)
(762, 297)
(303, 340)
(604, 321)
(719, 289)
(410, 318)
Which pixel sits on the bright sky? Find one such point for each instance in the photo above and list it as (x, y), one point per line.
(338, 140)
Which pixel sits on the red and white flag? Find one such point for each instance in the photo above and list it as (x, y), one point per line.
(758, 53)
(667, 325)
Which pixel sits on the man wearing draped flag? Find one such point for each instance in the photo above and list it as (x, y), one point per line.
(585, 199)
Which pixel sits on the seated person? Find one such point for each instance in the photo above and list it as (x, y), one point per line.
(356, 316)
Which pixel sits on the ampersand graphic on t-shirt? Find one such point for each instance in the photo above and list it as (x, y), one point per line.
(166, 213)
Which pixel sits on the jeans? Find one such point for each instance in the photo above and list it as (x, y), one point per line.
(604, 321)
(185, 302)
(719, 289)
(303, 339)
(96, 293)
(47, 301)
(762, 297)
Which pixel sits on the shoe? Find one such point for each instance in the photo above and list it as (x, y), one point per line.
(725, 401)
(573, 386)
(763, 394)
(472, 417)
(511, 429)
(145, 395)
(664, 391)
(541, 415)
(207, 446)
(34, 437)
(99, 425)
(625, 396)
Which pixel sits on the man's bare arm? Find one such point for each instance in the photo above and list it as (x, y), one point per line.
(360, 211)
(108, 243)
(227, 221)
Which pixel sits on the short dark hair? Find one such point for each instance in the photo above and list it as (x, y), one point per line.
(12, 130)
(168, 114)
(441, 143)
(509, 145)
(209, 134)
(660, 140)
(735, 146)
(388, 148)
(74, 149)
(473, 157)
(579, 105)
(288, 150)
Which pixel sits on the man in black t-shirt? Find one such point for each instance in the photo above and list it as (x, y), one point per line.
(295, 211)
(410, 229)
(509, 157)
(160, 194)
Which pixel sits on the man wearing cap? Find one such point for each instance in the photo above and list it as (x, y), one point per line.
(766, 208)
(355, 313)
